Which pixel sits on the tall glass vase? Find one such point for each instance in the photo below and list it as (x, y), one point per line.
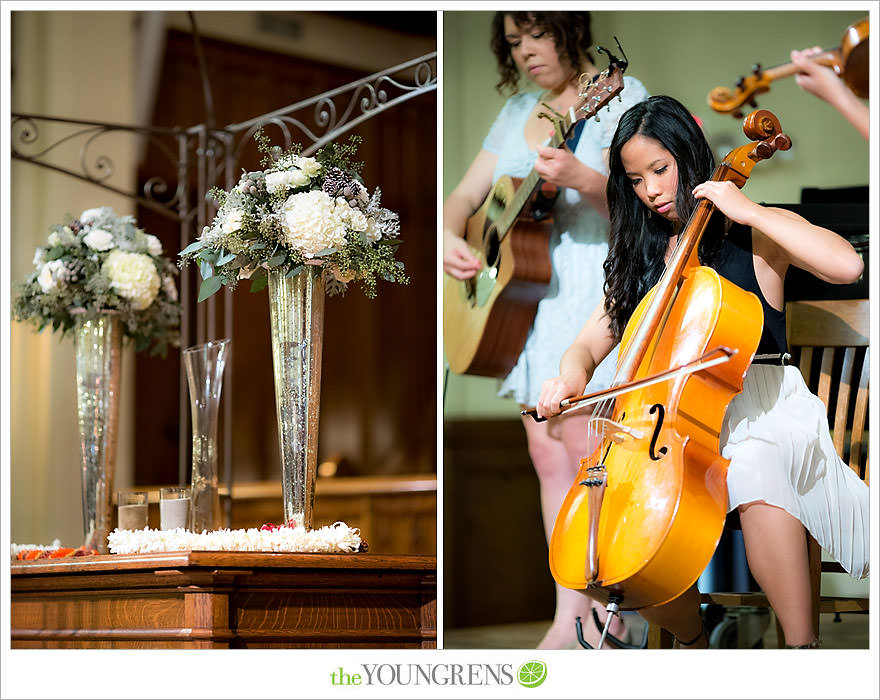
(98, 348)
(204, 373)
(296, 314)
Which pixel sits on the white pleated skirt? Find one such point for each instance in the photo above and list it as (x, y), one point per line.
(777, 439)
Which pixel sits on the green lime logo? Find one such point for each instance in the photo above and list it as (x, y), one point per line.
(531, 674)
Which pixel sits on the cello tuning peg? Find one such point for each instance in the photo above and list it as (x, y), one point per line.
(756, 69)
(741, 82)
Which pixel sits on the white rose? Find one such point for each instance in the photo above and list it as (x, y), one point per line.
(309, 166)
(276, 182)
(133, 276)
(52, 275)
(54, 239)
(372, 230)
(233, 220)
(90, 214)
(285, 179)
(99, 239)
(311, 221)
(154, 245)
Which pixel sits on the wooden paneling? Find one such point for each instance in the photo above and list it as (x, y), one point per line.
(225, 600)
(379, 358)
(495, 567)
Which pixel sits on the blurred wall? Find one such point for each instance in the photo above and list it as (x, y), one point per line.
(684, 54)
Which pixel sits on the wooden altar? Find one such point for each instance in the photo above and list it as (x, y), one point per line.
(201, 600)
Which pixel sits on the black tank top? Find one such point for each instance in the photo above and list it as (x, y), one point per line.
(736, 264)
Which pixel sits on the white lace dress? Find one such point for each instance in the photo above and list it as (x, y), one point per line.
(578, 243)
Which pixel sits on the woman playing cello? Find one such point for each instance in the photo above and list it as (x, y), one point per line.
(784, 474)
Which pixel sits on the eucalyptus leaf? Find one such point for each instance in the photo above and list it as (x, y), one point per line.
(390, 241)
(205, 270)
(259, 281)
(209, 287)
(276, 260)
(258, 246)
(294, 271)
(192, 248)
(209, 255)
(225, 258)
(326, 251)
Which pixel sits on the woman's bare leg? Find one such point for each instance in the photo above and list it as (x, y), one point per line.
(681, 617)
(776, 549)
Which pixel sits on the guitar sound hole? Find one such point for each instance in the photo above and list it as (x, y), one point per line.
(491, 247)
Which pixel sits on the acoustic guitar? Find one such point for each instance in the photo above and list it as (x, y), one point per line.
(486, 318)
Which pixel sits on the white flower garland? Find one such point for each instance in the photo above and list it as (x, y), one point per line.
(335, 538)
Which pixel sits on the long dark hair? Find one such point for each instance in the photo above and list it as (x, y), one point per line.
(638, 239)
(570, 31)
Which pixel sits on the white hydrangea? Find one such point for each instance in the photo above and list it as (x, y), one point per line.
(53, 275)
(282, 181)
(312, 221)
(133, 276)
(39, 257)
(98, 239)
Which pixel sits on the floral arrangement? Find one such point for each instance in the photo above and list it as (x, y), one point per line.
(336, 538)
(103, 262)
(299, 211)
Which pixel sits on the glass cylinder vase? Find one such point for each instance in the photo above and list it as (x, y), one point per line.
(296, 314)
(204, 373)
(98, 350)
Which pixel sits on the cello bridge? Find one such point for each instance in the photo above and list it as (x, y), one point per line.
(617, 432)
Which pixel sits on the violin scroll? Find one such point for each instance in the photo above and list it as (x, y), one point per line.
(849, 61)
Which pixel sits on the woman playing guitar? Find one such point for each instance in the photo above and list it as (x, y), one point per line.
(541, 56)
(784, 474)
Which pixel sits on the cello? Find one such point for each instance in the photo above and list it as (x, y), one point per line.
(645, 513)
(849, 61)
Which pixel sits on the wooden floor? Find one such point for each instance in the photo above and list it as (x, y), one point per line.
(851, 632)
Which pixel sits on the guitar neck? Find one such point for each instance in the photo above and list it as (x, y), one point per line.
(530, 182)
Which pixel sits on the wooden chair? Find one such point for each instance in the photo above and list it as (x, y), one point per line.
(832, 339)
(828, 341)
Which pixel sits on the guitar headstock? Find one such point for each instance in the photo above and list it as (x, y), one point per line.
(596, 92)
(593, 94)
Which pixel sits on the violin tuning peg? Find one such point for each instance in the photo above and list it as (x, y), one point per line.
(741, 82)
(756, 69)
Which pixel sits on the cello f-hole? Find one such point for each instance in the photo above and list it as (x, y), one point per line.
(657, 408)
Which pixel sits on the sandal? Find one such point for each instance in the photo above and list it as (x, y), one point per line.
(678, 644)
